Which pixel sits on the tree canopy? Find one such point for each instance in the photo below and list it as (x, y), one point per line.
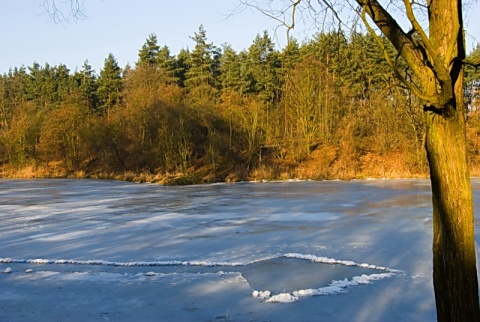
(248, 102)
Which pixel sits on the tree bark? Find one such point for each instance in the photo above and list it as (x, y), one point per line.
(454, 263)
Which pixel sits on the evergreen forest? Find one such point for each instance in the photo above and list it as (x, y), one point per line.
(326, 108)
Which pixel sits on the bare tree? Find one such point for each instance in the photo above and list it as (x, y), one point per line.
(434, 51)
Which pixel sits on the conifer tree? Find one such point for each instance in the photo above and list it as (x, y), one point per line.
(109, 85)
(34, 83)
(200, 80)
(230, 71)
(263, 80)
(86, 81)
(149, 54)
(181, 66)
(166, 64)
(262, 64)
(63, 83)
(202, 61)
(17, 82)
(289, 57)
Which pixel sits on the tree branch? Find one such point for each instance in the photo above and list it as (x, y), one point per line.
(440, 68)
(402, 42)
(472, 63)
(270, 14)
(57, 14)
(409, 85)
(417, 28)
(451, 46)
(421, 64)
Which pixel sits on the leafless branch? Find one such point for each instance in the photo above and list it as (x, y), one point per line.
(279, 16)
(64, 10)
(287, 12)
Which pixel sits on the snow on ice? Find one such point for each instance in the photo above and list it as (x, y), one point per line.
(336, 286)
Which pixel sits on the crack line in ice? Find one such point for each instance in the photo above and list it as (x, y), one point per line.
(335, 287)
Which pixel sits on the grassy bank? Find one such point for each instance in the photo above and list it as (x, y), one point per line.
(322, 164)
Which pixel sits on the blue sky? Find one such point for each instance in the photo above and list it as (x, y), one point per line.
(122, 26)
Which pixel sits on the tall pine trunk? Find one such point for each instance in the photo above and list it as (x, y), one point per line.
(454, 263)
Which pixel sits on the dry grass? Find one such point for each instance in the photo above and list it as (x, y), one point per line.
(326, 162)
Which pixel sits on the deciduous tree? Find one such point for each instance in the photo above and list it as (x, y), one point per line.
(435, 56)
(436, 59)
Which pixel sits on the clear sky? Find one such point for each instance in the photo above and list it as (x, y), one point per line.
(122, 26)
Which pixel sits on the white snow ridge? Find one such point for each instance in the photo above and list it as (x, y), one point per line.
(335, 287)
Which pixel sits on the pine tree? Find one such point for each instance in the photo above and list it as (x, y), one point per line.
(182, 66)
(230, 71)
(261, 69)
(149, 54)
(289, 57)
(87, 83)
(109, 85)
(63, 83)
(202, 61)
(166, 64)
(16, 86)
(34, 83)
(200, 79)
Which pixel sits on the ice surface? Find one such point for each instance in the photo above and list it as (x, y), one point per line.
(101, 250)
(287, 272)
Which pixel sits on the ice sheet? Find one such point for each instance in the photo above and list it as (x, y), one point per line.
(106, 250)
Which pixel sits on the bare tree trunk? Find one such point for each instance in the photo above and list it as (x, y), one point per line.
(454, 263)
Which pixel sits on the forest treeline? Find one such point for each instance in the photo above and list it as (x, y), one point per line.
(326, 108)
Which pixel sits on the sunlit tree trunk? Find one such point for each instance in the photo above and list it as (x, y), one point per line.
(454, 264)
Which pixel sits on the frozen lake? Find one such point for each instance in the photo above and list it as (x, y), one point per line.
(85, 250)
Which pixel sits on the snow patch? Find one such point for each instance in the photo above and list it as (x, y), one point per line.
(327, 260)
(261, 294)
(99, 262)
(335, 287)
(282, 298)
